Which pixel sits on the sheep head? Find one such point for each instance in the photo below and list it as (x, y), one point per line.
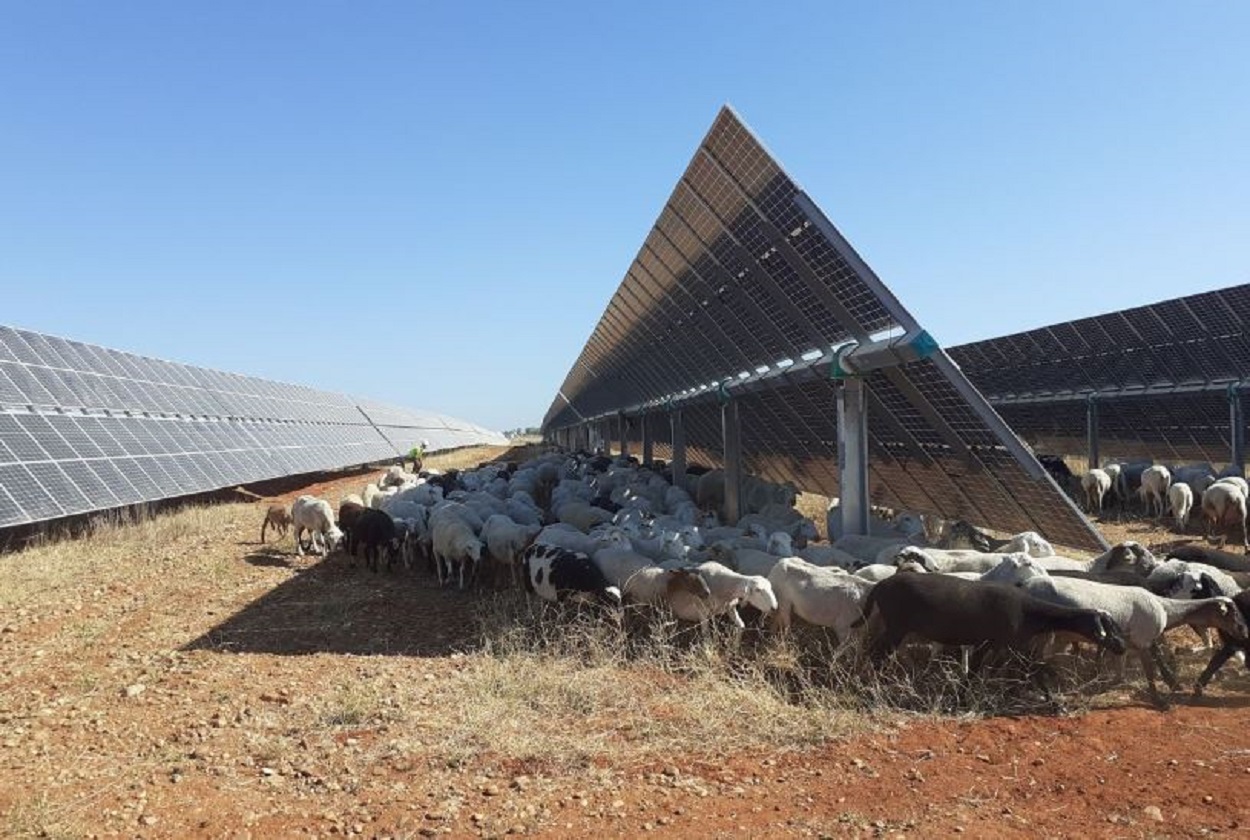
(914, 557)
(760, 594)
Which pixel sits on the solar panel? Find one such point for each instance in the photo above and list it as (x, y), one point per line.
(86, 428)
(1161, 374)
(742, 290)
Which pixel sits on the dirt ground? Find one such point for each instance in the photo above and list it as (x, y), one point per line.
(178, 679)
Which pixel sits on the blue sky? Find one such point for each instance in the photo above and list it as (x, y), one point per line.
(430, 204)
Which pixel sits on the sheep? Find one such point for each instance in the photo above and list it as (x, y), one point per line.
(1198, 477)
(395, 477)
(1141, 616)
(1224, 502)
(1225, 583)
(505, 541)
(829, 555)
(818, 596)
(349, 514)
(315, 515)
(620, 563)
(422, 494)
(747, 561)
(1113, 472)
(1128, 552)
(868, 549)
(728, 589)
(755, 493)
(1231, 645)
(566, 536)
(959, 560)
(371, 492)
(1095, 484)
(992, 617)
(1129, 479)
(658, 587)
(454, 542)
(1180, 502)
(279, 517)
(582, 516)
(1212, 557)
(1155, 482)
(556, 574)
(466, 514)
(376, 530)
(875, 572)
(961, 535)
(905, 527)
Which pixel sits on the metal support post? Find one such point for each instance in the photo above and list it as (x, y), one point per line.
(853, 455)
(623, 424)
(1091, 429)
(731, 431)
(678, 464)
(647, 444)
(1236, 429)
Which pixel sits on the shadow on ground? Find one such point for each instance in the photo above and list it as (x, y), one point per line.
(332, 607)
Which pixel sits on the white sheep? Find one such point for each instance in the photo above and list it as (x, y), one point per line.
(620, 563)
(423, 494)
(455, 544)
(1180, 502)
(568, 537)
(868, 548)
(308, 513)
(370, 492)
(747, 561)
(467, 514)
(728, 590)
(582, 516)
(1096, 483)
(1141, 616)
(395, 477)
(1155, 482)
(505, 540)
(1224, 503)
(818, 596)
(829, 555)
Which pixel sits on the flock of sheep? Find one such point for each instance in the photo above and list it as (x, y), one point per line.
(609, 531)
(1222, 498)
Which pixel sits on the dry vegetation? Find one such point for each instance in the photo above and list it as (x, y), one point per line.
(172, 677)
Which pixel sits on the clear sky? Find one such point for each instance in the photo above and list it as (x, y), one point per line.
(431, 203)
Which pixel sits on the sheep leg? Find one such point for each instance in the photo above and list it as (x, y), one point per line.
(1169, 675)
(263, 526)
(1148, 667)
(1217, 661)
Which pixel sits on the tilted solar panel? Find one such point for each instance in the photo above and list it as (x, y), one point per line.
(742, 284)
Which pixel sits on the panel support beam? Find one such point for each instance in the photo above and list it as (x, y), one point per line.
(853, 455)
(648, 454)
(1236, 429)
(1091, 431)
(678, 464)
(731, 429)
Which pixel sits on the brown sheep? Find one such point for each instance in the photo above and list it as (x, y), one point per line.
(279, 517)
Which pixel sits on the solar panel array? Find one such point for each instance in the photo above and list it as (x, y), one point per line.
(85, 428)
(743, 283)
(1160, 373)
